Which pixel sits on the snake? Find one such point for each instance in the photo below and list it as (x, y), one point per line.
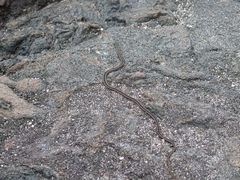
(141, 106)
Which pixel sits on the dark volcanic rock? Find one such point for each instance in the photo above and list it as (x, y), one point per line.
(182, 61)
(26, 172)
(10, 9)
(5, 3)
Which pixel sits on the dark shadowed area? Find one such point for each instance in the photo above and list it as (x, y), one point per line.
(11, 9)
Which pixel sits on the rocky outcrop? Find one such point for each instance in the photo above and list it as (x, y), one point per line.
(182, 61)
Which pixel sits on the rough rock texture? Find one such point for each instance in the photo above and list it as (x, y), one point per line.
(182, 62)
(26, 172)
(11, 106)
(29, 85)
(10, 9)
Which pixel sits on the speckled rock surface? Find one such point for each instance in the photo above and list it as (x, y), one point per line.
(182, 61)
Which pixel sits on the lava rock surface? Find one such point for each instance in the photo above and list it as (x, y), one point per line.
(58, 121)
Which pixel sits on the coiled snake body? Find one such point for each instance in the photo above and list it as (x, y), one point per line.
(140, 105)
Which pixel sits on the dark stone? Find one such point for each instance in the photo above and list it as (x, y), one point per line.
(5, 105)
(181, 62)
(10, 9)
(5, 3)
(28, 172)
